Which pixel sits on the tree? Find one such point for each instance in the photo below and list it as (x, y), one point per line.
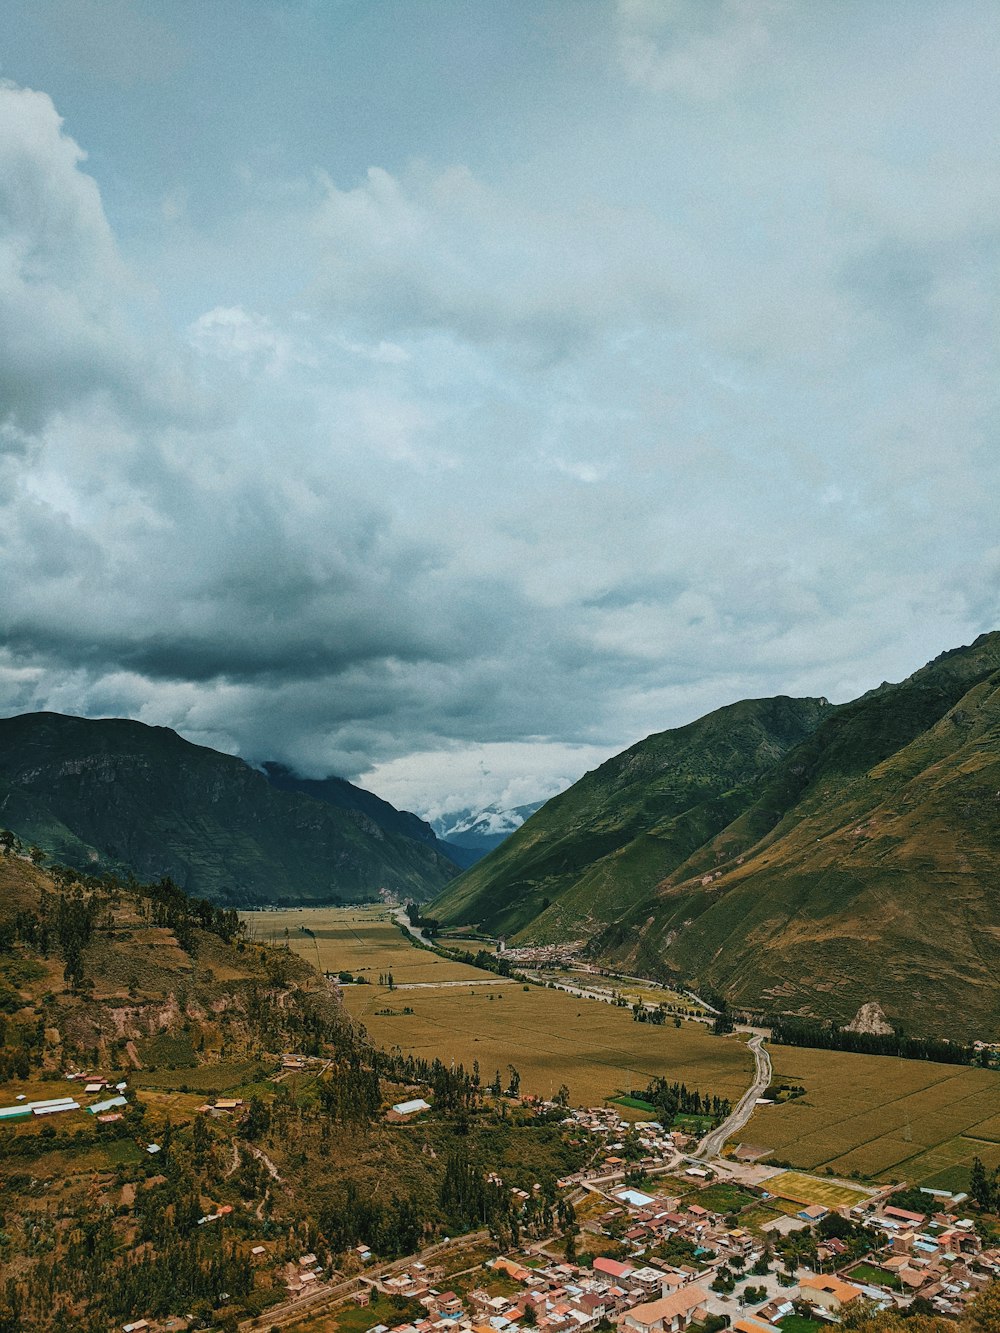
(723, 1022)
(980, 1185)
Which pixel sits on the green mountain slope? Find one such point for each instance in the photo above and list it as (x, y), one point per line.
(868, 869)
(345, 796)
(593, 851)
(861, 866)
(117, 794)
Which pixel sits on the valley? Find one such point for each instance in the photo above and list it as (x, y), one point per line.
(876, 1117)
(551, 1037)
(791, 855)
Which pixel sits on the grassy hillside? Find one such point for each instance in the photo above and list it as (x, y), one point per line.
(866, 871)
(164, 994)
(117, 794)
(592, 852)
(860, 866)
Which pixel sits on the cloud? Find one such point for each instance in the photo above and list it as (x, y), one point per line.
(457, 472)
(698, 49)
(244, 338)
(67, 299)
(442, 251)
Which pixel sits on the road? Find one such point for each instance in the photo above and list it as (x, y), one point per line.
(711, 1144)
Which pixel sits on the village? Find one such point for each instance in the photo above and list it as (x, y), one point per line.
(690, 1265)
(660, 1239)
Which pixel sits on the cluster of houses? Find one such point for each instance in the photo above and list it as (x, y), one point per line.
(106, 1110)
(659, 1145)
(936, 1255)
(557, 1298)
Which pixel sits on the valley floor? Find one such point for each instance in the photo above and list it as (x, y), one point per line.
(874, 1117)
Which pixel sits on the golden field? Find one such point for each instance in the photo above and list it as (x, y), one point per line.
(879, 1116)
(551, 1037)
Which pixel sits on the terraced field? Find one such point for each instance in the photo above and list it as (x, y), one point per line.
(880, 1117)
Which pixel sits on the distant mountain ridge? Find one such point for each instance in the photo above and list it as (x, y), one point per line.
(117, 794)
(853, 863)
(343, 795)
(480, 830)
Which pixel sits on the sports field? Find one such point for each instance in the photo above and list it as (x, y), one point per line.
(551, 1037)
(807, 1189)
(881, 1117)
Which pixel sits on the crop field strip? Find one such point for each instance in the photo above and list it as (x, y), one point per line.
(914, 1107)
(552, 1038)
(361, 941)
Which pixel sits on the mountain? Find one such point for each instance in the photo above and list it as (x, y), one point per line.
(479, 831)
(343, 795)
(857, 865)
(152, 992)
(610, 839)
(117, 794)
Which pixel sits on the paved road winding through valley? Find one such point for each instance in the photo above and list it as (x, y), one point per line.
(711, 1144)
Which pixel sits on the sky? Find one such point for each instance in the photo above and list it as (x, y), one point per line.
(447, 394)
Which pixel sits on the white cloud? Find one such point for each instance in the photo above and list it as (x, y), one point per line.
(462, 477)
(444, 251)
(245, 338)
(699, 49)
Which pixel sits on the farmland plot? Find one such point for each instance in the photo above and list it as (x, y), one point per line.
(878, 1116)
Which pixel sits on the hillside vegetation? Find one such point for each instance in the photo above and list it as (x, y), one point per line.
(604, 844)
(143, 986)
(857, 865)
(119, 795)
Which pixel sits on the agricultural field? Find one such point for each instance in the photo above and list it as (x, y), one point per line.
(362, 940)
(881, 1117)
(551, 1037)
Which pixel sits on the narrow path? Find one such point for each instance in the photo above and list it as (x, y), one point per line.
(711, 1144)
(234, 1163)
(262, 1156)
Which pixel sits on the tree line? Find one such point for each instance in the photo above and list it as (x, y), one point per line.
(826, 1037)
(671, 1099)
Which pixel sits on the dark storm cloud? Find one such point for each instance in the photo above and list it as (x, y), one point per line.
(675, 382)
